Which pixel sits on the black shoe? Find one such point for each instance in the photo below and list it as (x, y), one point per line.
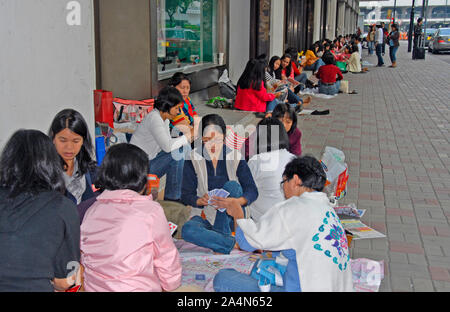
(325, 112)
(260, 115)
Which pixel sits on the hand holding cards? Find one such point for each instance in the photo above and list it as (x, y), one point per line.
(217, 193)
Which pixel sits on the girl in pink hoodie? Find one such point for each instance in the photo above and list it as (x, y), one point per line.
(126, 244)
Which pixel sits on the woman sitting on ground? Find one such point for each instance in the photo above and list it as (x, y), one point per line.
(188, 113)
(276, 75)
(72, 140)
(272, 144)
(313, 59)
(39, 226)
(166, 154)
(303, 232)
(211, 166)
(354, 62)
(330, 76)
(125, 239)
(288, 118)
(251, 93)
(297, 67)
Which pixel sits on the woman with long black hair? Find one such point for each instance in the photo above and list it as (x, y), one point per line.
(252, 94)
(70, 134)
(39, 226)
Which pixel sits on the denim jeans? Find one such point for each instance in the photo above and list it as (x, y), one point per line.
(218, 236)
(230, 280)
(380, 57)
(302, 79)
(293, 98)
(330, 89)
(371, 46)
(393, 53)
(271, 105)
(165, 164)
(315, 67)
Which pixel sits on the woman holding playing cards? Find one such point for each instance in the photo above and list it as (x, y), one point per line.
(213, 171)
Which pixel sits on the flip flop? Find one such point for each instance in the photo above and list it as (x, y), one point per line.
(353, 92)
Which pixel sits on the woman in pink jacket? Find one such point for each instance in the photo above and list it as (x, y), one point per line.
(126, 244)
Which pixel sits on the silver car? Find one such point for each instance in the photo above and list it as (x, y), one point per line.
(440, 41)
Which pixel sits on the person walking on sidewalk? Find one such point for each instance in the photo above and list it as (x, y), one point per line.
(379, 35)
(393, 44)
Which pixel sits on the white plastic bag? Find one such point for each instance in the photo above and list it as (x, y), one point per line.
(333, 162)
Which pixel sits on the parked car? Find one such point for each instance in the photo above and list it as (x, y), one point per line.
(429, 33)
(441, 41)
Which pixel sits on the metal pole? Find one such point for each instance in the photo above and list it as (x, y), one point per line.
(445, 15)
(395, 7)
(411, 24)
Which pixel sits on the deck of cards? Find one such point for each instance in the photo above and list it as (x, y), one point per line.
(172, 227)
(217, 193)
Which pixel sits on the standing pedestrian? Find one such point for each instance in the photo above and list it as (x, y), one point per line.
(385, 34)
(379, 45)
(393, 44)
(417, 36)
(371, 39)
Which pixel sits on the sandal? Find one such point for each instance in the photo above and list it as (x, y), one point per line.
(353, 92)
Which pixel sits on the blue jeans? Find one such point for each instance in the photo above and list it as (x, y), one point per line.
(165, 164)
(302, 79)
(230, 280)
(271, 105)
(330, 89)
(380, 57)
(293, 98)
(370, 45)
(218, 236)
(393, 53)
(315, 67)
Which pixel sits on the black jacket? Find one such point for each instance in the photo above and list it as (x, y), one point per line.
(39, 240)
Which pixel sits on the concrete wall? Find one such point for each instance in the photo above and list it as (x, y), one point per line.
(125, 48)
(239, 45)
(277, 28)
(46, 65)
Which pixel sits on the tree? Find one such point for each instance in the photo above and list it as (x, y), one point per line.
(172, 9)
(184, 5)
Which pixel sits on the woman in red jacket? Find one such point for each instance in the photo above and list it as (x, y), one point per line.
(251, 94)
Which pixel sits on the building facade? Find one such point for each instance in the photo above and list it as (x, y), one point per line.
(133, 47)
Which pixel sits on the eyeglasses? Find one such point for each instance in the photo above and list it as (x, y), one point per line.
(282, 185)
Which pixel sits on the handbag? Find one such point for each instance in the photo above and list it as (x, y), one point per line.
(103, 107)
(130, 110)
(342, 66)
(344, 86)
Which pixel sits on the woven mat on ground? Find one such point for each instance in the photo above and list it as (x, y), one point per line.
(200, 265)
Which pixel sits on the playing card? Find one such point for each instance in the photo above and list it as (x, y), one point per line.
(172, 227)
(222, 193)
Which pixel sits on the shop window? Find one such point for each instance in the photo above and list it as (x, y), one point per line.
(187, 35)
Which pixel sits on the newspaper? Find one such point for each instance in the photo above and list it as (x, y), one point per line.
(359, 230)
(350, 218)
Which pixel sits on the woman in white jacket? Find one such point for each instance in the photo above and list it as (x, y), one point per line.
(304, 228)
(267, 166)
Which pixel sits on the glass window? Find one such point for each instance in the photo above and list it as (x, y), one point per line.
(445, 32)
(187, 35)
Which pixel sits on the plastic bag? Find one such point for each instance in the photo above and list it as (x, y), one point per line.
(333, 162)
